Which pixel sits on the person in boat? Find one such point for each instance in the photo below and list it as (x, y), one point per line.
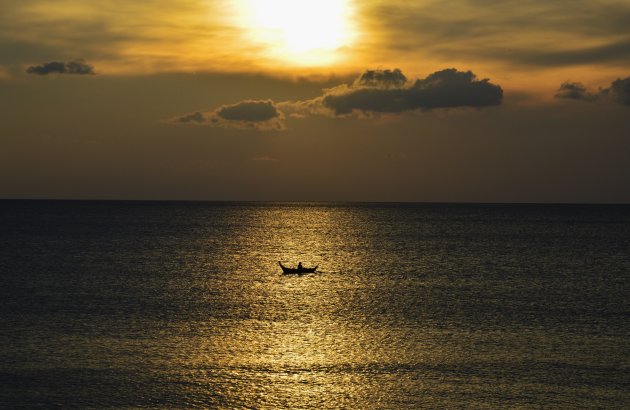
(299, 265)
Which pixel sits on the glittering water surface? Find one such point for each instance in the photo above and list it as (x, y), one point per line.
(140, 304)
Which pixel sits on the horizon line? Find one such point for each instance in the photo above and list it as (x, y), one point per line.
(255, 201)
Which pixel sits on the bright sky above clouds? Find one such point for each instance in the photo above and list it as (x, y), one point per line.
(502, 37)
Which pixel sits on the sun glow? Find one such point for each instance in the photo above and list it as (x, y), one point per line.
(302, 32)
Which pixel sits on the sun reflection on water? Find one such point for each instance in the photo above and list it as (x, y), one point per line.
(289, 341)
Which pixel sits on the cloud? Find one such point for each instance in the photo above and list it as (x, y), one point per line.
(248, 114)
(382, 78)
(611, 51)
(125, 37)
(374, 91)
(148, 37)
(538, 34)
(58, 67)
(619, 92)
(251, 111)
(387, 93)
(195, 117)
(575, 91)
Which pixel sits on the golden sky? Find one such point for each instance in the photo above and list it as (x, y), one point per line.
(76, 73)
(503, 38)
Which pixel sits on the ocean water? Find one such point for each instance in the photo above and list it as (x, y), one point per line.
(180, 305)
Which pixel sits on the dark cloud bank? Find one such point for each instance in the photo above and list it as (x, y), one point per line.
(58, 67)
(249, 114)
(375, 91)
(389, 92)
(619, 92)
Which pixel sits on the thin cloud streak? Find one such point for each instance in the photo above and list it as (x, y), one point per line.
(124, 37)
(537, 34)
(192, 35)
(78, 67)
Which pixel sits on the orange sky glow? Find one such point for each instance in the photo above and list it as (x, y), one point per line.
(434, 100)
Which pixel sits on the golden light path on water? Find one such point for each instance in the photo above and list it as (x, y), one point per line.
(295, 341)
(298, 32)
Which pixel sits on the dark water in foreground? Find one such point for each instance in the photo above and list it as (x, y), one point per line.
(114, 304)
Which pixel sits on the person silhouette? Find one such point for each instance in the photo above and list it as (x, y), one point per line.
(299, 265)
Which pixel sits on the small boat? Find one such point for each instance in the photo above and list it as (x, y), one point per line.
(299, 271)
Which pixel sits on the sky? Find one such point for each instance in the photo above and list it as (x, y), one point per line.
(278, 100)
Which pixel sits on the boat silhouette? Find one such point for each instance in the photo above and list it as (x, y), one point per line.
(298, 270)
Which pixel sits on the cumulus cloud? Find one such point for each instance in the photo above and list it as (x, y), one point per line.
(373, 92)
(575, 91)
(251, 111)
(382, 78)
(388, 93)
(248, 114)
(619, 92)
(59, 67)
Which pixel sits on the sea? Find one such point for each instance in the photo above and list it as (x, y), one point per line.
(150, 304)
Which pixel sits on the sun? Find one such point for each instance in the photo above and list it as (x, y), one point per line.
(302, 32)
